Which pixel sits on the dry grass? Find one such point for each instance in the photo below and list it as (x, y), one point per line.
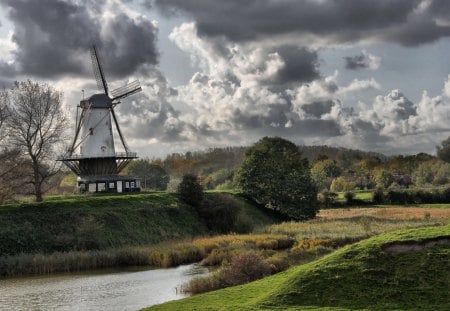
(169, 254)
(389, 213)
(358, 223)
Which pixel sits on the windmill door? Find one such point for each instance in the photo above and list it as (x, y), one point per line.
(119, 186)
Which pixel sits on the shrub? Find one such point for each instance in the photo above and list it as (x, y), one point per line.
(202, 284)
(278, 262)
(378, 196)
(398, 197)
(220, 212)
(246, 267)
(190, 190)
(349, 197)
(327, 198)
(445, 197)
(243, 224)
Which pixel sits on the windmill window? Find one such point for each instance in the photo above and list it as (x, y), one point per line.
(101, 186)
(92, 187)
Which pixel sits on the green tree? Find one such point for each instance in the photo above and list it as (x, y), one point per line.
(190, 190)
(443, 151)
(319, 175)
(152, 175)
(342, 184)
(383, 178)
(275, 174)
(322, 170)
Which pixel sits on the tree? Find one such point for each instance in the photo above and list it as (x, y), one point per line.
(152, 175)
(443, 151)
(36, 126)
(319, 175)
(275, 174)
(342, 184)
(322, 170)
(190, 190)
(383, 178)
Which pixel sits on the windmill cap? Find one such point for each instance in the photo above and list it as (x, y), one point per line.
(97, 101)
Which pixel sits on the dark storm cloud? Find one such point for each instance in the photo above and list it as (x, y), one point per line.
(301, 65)
(319, 108)
(356, 62)
(53, 38)
(399, 21)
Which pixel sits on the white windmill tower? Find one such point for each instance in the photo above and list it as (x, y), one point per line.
(97, 164)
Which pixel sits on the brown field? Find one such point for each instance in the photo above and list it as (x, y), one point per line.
(392, 213)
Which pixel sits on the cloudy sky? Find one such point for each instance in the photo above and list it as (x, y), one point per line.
(364, 74)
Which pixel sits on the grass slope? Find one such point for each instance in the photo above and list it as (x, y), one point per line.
(95, 222)
(361, 276)
(103, 222)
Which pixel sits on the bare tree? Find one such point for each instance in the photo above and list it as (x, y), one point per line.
(35, 127)
(3, 115)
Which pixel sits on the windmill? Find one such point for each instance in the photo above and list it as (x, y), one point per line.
(98, 164)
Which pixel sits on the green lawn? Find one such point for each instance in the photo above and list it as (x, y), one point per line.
(361, 276)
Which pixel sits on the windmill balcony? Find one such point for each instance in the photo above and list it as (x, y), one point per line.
(118, 155)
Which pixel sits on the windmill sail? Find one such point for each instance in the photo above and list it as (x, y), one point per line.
(126, 90)
(98, 71)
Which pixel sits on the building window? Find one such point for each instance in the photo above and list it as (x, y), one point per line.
(138, 184)
(111, 185)
(101, 186)
(127, 184)
(132, 184)
(92, 187)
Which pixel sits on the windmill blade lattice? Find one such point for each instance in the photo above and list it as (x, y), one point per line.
(98, 71)
(126, 90)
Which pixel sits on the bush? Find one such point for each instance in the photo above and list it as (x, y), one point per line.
(349, 197)
(243, 268)
(327, 198)
(220, 212)
(246, 267)
(445, 197)
(378, 196)
(190, 190)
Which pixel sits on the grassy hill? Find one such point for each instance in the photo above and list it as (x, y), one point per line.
(103, 221)
(401, 270)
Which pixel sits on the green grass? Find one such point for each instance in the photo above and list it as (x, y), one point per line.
(361, 276)
(95, 222)
(364, 195)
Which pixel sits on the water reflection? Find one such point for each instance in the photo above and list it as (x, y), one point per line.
(124, 290)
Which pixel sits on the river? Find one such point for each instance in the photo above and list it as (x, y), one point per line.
(112, 290)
